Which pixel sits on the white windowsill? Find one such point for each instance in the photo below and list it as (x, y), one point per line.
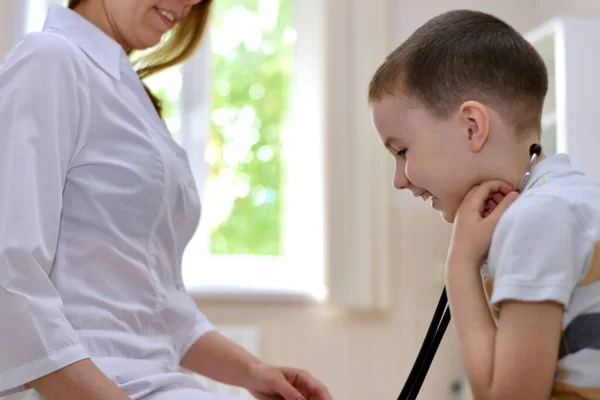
(254, 277)
(235, 295)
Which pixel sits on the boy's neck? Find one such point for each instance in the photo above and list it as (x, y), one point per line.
(508, 159)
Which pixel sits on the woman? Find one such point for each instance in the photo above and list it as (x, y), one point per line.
(98, 203)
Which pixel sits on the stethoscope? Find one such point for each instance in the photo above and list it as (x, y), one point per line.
(441, 317)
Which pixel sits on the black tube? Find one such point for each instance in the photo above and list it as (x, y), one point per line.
(428, 343)
(429, 358)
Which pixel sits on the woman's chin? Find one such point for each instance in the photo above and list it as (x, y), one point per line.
(147, 41)
(151, 41)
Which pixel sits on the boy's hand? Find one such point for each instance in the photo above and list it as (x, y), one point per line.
(476, 219)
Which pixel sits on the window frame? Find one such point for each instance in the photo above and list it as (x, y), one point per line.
(300, 272)
(342, 44)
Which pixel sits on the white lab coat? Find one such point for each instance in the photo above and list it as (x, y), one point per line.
(97, 204)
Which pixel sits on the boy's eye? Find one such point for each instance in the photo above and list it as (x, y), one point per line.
(401, 152)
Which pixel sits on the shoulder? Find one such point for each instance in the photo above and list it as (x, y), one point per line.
(539, 230)
(533, 213)
(534, 229)
(43, 64)
(537, 250)
(566, 204)
(44, 50)
(43, 73)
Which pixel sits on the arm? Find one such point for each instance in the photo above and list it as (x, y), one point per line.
(81, 380)
(518, 359)
(40, 113)
(220, 359)
(535, 267)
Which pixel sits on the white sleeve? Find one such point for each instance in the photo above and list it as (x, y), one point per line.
(200, 328)
(40, 103)
(187, 324)
(537, 251)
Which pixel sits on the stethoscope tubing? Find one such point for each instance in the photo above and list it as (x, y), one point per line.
(433, 338)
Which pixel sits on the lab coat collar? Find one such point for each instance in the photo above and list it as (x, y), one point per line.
(100, 47)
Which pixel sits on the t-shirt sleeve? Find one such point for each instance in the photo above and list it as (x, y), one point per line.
(537, 252)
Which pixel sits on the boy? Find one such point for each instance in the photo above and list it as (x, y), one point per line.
(459, 104)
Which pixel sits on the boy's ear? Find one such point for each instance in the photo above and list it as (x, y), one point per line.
(476, 119)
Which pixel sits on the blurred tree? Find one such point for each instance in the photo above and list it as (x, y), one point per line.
(252, 45)
(252, 66)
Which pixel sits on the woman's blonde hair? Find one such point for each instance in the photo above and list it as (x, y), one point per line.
(178, 45)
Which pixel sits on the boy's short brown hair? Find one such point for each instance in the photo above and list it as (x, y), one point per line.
(467, 55)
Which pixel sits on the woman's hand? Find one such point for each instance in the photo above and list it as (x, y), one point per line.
(476, 219)
(268, 382)
(221, 359)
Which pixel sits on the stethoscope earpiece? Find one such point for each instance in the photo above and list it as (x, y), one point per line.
(535, 149)
(534, 152)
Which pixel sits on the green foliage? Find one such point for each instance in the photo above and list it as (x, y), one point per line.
(252, 60)
(252, 78)
(169, 107)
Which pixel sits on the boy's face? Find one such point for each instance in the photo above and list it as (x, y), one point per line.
(434, 158)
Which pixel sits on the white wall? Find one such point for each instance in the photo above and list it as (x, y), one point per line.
(577, 8)
(6, 26)
(407, 15)
(12, 23)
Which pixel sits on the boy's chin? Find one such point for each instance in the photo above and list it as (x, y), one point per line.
(447, 212)
(448, 216)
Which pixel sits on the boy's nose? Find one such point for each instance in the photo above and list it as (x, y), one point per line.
(400, 180)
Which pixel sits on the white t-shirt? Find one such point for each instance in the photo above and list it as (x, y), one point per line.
(97, 205)
(547, 247)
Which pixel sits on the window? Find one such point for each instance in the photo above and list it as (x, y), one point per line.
(235, 107)
(312, 171)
